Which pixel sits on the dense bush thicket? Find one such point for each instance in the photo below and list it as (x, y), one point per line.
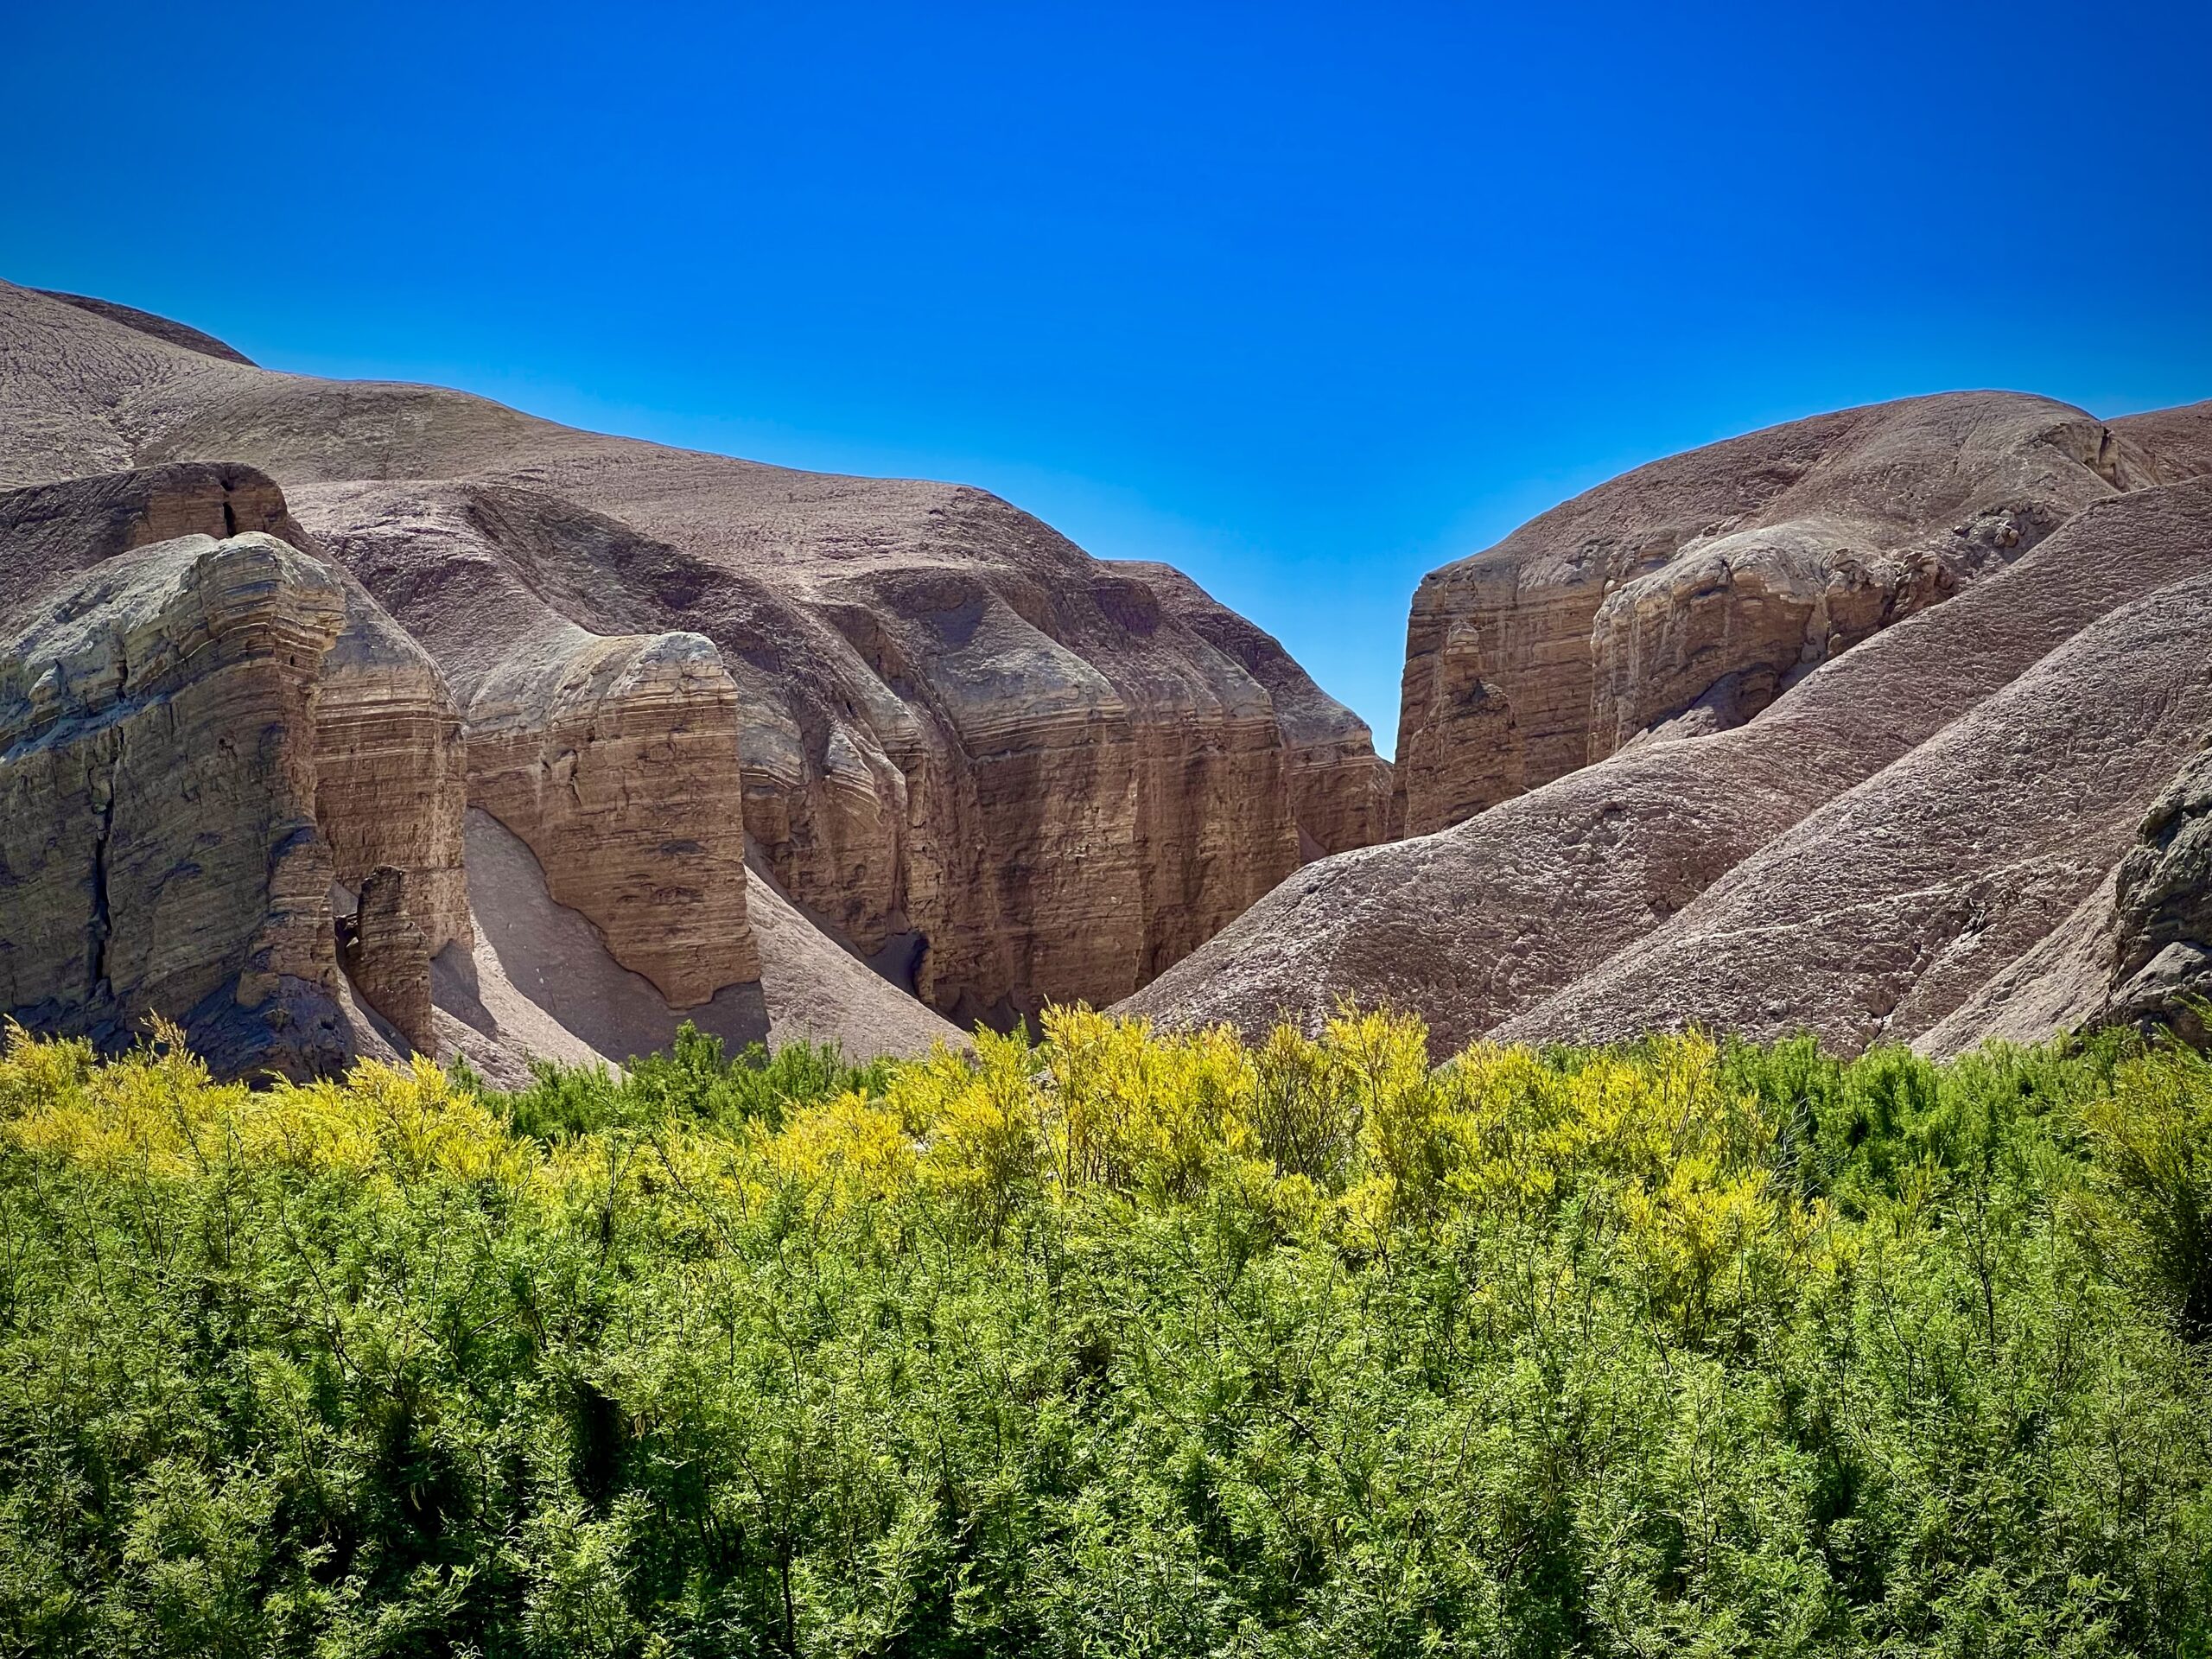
(1118, 1343)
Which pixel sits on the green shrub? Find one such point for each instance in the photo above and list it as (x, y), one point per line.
(2147, 1210)
(1114, 1343)
(691, 1080)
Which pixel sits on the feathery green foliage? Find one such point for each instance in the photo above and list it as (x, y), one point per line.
(1116, 1343)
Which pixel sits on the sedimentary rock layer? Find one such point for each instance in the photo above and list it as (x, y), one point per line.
(158, 851)
(1339, 787)
(304, 892)
(616, 761)
(391, 769)
(1687, 595)
(389, 789)
(1004, 786)
(541, 981)
(1003, 769)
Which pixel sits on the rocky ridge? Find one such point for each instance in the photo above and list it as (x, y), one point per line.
(1003, 771)
(1915, 839)
(344, 718)
(1684, 597)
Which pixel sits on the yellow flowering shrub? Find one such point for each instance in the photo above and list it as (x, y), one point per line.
(158, 1109)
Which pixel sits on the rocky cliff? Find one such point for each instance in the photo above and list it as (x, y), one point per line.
(999, 769)
(384, 759)
(616, 760)
(1913, 841)
(1339, 787)
(1684, 597)
(158, 849)
(2159, 934)
(236, 792)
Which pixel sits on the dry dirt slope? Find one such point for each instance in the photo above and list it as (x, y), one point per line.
(1882, 851)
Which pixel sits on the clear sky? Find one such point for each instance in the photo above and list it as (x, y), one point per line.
(1304, 299)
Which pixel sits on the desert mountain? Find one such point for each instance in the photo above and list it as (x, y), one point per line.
(342, 717)
(483, 676)
(1686, 595)
(1866, 725)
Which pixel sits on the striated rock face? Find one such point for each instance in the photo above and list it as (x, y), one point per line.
(391, 770)
(616, 761)
(389, 773)
(1001, 785)
(53, 532)
(387, 956)
(1910, 843)
(1003, 770)
(308, 900)
(1339, 787)
(1686, 595)
(1879, 916)
(158, 850)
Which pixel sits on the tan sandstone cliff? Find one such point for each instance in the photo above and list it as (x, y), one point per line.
(383, 759)
(158, 849)
(1685, 596)
(381, 939)
(1001, 770)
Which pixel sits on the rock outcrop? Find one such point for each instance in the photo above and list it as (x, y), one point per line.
(391, 770)
(388, 763)
(616, 761)
(542, 981)
(387, 956)
(2161, 928)
(2178, 440)
(1339, 787)
(1003, 785)
(1883, 851)
(309, 900)
(158, 849)
(1001, 770)
(1880, 915)
(1685, 596)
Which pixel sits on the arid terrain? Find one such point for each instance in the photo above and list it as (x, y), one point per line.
(333, 708)
(344, 718)
(1881, 725)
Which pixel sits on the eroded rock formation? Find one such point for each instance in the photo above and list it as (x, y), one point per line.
(158, 850)
(390, 773)
(387, 956)
(387, 759)
(999, 769)
(2161, 927)
(616, 761)
(307, 900)
(1689, 593)
(1339, 787)
(1915, 840)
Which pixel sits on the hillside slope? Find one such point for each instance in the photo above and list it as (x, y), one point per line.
(1006, 770)
(1879, 852)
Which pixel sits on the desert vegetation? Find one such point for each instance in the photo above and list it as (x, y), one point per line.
(1117, 1342)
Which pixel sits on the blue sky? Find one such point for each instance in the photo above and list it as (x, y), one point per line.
(1306, 300)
